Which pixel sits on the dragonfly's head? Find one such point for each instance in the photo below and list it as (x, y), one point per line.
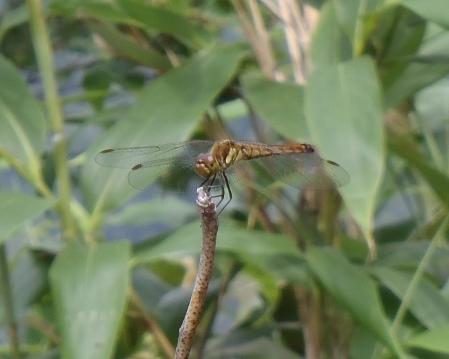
(205, 165)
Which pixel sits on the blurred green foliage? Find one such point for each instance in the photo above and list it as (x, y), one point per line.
(93, 268)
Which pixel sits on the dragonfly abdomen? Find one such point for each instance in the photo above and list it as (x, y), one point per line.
(227, 152)
(257, 151)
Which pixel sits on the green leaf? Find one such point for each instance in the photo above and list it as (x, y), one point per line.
(12, 18)
(431, 106)
(166, 21)
(408, 254)
(352, 15)
(89, 285)
(28, 278)
(242, 242)
(140, 14)
(330, 45)
(16, 209)
(267, 287)
(248, 344)
(105, 11)
(431, 10)
(434, 340)
(22, 122)
(289, 267)
(344, 113)
(279, 104)
(430, 64)
(400, 40)
(168, 110)
(353, 289)
(405, 148)
(129, 49)
(427, 304)
(165, 210)
(276, 253)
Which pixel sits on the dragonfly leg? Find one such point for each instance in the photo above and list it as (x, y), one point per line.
(219, 185)
(228, 188)
(208, 182)
(222, 192)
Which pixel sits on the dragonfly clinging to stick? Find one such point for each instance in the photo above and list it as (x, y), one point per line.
(297, 164)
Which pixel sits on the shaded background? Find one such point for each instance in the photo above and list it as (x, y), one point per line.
(93, 268)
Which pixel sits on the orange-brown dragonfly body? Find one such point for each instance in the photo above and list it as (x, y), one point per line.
(296, 164)
(226, 153)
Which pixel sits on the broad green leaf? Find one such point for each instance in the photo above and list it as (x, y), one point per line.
(330, 45)
(289, 267)
(249, 344)
(242, 242)
(233, 109)
(18, 208)
(427, 304)
(22, 122)
(167, 304)
(275, 254)
(263, 289)
(437, 179)
(431, 105)
(129, 49)
(279, 104)
(140, 14)
(28, 279)
(343, 108)
(431, 10)
(166, 21)
(353, 289)
(89, 285)
(408, 254)
(12, 18)
(433, 340)
(430, 64)
(166, 210)
(168, 110)
(107, 11)
(363, 343)
(352, 15)
(400, 40)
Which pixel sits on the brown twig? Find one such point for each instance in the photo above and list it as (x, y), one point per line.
(191, 320)
(310, 313)
(214, 306)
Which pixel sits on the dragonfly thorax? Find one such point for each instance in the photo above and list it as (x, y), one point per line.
(222, 155)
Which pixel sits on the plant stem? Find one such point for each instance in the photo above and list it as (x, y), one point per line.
(311, 317)
(257, 36)
(214, 306)
(5, 285)
(44, 57)
(209, 225)
(437, 238)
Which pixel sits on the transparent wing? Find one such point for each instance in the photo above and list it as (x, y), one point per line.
(298, 170)
(148, 163)
(129, 157)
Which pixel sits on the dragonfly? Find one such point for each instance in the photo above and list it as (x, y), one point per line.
(295, 164)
